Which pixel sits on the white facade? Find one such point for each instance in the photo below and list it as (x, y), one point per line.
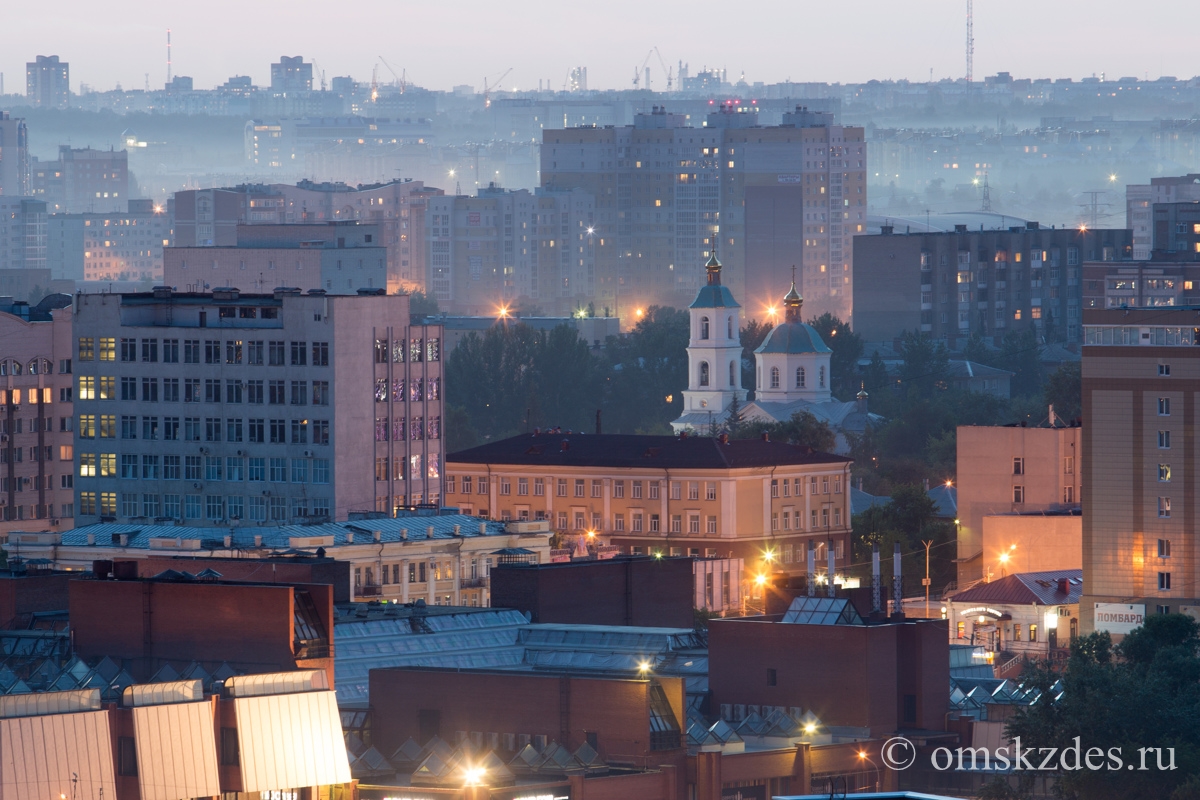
(714, 361)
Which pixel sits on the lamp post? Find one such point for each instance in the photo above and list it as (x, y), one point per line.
(926, 581)
(862, 756)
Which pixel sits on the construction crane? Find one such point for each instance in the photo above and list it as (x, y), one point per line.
(665, 69)
(487, 90)
(320, 73)
(400, 79)
(638, 71)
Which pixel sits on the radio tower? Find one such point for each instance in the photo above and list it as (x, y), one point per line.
(169, 54)
(987, 195)
(970, 41)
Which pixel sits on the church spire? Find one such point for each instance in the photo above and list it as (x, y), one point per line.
(792, 301)
(713, 267)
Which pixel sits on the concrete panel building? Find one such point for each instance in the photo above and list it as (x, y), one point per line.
(82, 180)
(1140, 200)
(125, 246)
(23, 233)
(767, 198)
(1141, 373)
(48, 82)
(314, 405)
(1011, 470)
(14, 157)
(952, 285)
(36, 415)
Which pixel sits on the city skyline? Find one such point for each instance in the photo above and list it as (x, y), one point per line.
(475, 40)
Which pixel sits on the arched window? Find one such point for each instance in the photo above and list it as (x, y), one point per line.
(800, 377)
(774, 377)
(729, 327)
(704, 327)
(822, 376)
(733, 373)
(704, 373)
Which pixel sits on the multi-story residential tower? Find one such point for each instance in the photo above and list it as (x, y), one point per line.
(226, 408)
(23, 232)
(36, 462)
(291, 74)
(1141, 384)
(109, 247)
(954, 284)
(83, 180)
(775, 197)
(14, 157)
(489, 252)
(48, 82)
(1140, 200)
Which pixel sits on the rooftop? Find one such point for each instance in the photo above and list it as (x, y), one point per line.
(1025, 588)
(644, 452)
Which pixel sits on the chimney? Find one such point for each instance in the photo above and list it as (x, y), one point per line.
(812, 568)
(429, 532)
(91, 540)
(1064, 586)
(597, 422)
(378, 536)
(860, 483)
(404, 534)
(350, 537)
(228, 540)
(258, 541)
(483, 529)
(564, 446)
(830, 589)
(886, 230)
(1053, 419)
(897, 584)
(766, 437)
(876, 579)
(458, 530)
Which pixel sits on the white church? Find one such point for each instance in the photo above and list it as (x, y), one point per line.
(791, 368)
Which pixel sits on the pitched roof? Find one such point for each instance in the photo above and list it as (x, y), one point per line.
(793, 337)
(714, 296)
(630, 451)
(1025, 588)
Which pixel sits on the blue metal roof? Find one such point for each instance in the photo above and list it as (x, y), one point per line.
(278, 536)
(714, 296)
(793, 337)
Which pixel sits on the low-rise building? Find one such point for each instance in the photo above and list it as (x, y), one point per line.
(1033, 614)
(753, 499)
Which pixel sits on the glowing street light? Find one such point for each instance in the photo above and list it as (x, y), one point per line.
(639, 313)
(503, 312)
(810, 729)
(474, 775)
(768, 555)
(644, 666)
(760, 580)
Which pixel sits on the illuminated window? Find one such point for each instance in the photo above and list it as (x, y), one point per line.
(1164, 473)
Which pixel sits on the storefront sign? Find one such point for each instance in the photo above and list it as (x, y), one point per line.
(1119, 617)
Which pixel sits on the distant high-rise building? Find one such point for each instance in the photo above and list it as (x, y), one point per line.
(83, 180)
(48, 82)
(487, 252)
(22, 233)
(14, 157)
(1140, 200)
(765, 198)
(291, 74)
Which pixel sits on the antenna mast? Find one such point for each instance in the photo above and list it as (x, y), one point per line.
(970, 40)
(169, 55)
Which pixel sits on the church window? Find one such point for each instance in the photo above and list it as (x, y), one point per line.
(800, 376)
(704, 327)
(704, 373)
(822, 377)
(774, 377)
(733, 373)
(729, 327)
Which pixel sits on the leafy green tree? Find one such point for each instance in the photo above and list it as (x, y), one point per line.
(645, 368)
(847, 348)
(1142, 693)
(751, 337)
(1063, 391)
(422, 305)
(926, 366)
(1020, 353)
(803, 428)
(977, 350)
(460, 434)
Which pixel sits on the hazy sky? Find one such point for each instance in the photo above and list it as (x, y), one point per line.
(442, 43)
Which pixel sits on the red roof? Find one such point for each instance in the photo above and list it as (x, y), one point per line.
(1025, 588)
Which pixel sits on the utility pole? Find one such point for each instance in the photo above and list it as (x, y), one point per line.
(926, 581)
(987, 195)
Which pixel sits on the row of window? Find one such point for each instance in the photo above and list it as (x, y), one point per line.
(418, 389)
(207, 468)
(43, 396)
(207, 429)
(796, 517)
(35, 483)
(1068, 495)
(414, 429)
(36, 366)
(801, 378)
(418, 572)
(393, 469)
(213, 351)
(207, 390)
(581, 487)
(401, 350)
(35, 511)
(36, 425)
(1068, 465)
(213, 508)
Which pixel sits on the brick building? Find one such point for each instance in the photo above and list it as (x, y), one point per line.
(36, 440)
(676, 496)
(1141, 373)
(344, 397)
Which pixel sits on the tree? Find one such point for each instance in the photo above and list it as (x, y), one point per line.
(1142, 693)
(802, 429)
(1063, 391)
(1020, 354)
(422, 305)
(460, 434)
(926, 364)
(751, 337)
(977, 350)
(847, 348)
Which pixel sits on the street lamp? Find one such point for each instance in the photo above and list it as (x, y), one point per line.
(862, 756)
(474, 776)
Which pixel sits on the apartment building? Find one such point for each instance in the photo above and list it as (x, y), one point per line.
(488, 252)
(220, 407)
(767, 198)
(757, 500)
(23, 233)
(14, 156)
(1013, 470)
(954, 284)
(210, 217)
(48, 82)
(83, 180)
(336, 257)
(36, 422)
(1141, 382)
(126, 246)
(1140, 200)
